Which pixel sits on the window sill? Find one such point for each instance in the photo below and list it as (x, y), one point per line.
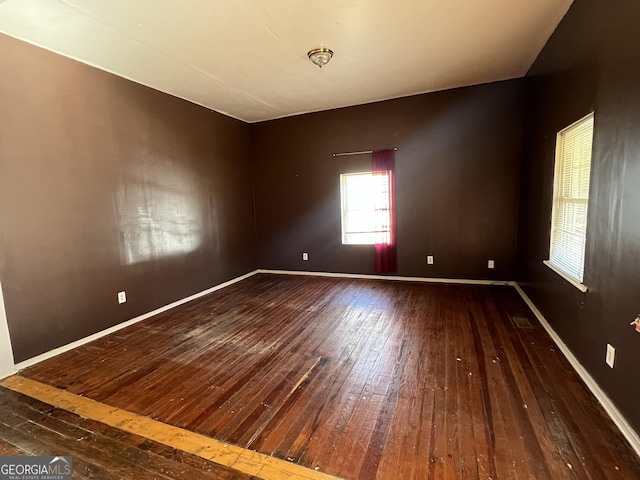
(580, 286)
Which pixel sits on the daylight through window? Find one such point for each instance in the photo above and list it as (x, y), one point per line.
(365, 208)
(570, 199)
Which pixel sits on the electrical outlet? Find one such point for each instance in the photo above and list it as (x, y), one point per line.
(611, 355)
(491, 264)
(429, 259)
(122, 297)
(305, 256)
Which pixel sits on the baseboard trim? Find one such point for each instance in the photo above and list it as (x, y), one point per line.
(387, 277)
(120, 326)
(7, 373)
(616, 416)
(6, 360)
(70, 346)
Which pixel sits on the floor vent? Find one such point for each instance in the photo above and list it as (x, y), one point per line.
(521, 322)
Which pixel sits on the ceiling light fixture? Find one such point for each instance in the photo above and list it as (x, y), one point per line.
(320, 56)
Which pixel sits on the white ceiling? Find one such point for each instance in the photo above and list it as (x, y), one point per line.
(248, 58)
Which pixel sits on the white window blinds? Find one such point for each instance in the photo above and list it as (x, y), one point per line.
(365, 208)
(571, 198)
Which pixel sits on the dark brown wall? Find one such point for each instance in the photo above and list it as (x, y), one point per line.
(106, 185)
(589, 64)
(457, 171)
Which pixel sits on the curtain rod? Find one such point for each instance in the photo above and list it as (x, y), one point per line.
(363, 152)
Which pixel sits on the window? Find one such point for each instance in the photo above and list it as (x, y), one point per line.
(365, 208)
(570, 201)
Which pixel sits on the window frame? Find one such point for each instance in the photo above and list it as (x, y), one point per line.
(344, 210)
(559, 178)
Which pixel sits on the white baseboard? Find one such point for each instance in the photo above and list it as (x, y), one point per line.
(387, 277)
(7, 366)
(623, 425)
(7, 372)
(120, 326)
(115, 328)
(625, 428)
(4, 373)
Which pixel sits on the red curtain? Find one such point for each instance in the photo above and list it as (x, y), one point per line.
(385, 252)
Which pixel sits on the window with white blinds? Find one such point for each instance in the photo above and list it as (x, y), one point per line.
(366, 218)
(571, 199)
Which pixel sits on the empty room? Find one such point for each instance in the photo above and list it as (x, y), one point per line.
(266, 239)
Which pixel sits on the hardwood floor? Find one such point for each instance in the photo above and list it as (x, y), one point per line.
(359, 379)
(30, 427)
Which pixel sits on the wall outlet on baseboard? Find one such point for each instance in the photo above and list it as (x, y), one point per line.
(122, 297)
(491, 264)
(305, 256)
(611, 355)
(429, 259)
